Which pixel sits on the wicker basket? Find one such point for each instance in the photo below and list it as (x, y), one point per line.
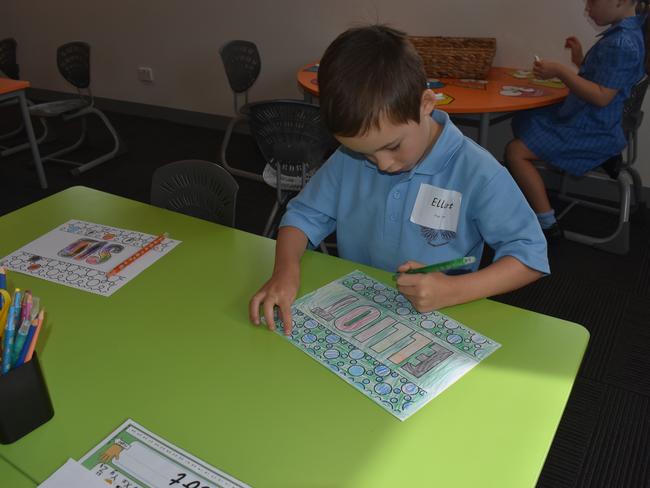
(456, 57)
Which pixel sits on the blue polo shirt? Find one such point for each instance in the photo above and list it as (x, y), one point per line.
(372, 212)
(576, 135)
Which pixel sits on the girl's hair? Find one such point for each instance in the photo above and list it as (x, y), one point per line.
(369, 74)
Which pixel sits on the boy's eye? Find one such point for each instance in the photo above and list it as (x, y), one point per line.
(394, 148)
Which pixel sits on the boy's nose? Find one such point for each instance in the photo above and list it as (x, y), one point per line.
(383, 162)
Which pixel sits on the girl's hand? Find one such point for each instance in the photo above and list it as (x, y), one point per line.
(427, 291)
(574, 45)
(543, 70)
(280, 291)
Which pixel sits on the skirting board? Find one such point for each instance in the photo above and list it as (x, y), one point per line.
(186, 117)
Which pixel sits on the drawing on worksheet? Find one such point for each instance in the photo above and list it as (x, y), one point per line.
(79, 254)
(521, 91)
(133, 457)
(370, 335)
(523, 74)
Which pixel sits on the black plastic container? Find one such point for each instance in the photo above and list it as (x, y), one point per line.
(24, 401)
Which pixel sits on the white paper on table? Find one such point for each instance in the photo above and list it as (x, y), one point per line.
(152, 462)
(72, 475)
(48, 257)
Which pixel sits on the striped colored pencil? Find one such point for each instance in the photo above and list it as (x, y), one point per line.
(30, 351)
(146, 248)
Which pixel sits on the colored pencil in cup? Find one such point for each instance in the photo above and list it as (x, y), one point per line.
(32, 345)
(146, 248)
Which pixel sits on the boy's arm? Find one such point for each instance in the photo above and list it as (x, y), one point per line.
(281, 289)
(433, 291)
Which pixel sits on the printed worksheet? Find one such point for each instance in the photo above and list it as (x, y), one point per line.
(81, 254)
(133, 457)
(370, 335)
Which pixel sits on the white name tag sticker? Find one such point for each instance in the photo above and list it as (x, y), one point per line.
(436, 208)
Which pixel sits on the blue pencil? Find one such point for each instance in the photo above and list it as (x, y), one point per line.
(3, 283)
(10, 330)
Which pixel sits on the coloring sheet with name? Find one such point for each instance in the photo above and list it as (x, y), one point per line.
(371, 336)
(80, 254)
(133, 457)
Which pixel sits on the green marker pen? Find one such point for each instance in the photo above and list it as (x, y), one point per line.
(445, 265)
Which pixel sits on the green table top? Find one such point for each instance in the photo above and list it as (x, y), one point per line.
(10, 477)
(173, 349)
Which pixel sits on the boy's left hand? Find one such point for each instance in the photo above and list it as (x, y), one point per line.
(426, 291)
(544, 70)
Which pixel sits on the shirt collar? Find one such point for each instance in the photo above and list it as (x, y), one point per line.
(449, 140)
(634, 22)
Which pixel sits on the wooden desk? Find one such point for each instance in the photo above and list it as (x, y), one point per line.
(489, 104)
(174, 351)
(16, 89)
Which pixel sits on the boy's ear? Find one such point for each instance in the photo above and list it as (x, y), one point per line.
(428, 102)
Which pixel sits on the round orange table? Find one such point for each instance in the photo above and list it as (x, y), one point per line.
(486, 103)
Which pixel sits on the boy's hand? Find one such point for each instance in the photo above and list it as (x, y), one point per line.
(543, 70)
(280, 291)
(574, 45)
(427, 291)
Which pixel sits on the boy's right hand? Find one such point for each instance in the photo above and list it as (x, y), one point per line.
(574, 45)
(280, 290)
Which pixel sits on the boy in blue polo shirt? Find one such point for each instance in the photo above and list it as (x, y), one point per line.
(405, 188)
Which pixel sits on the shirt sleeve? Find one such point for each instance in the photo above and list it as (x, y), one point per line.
(618, 63)
(509, 225)
(314, 209)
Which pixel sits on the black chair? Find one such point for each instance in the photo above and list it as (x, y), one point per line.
(619, 170)
(242, 63)
(73, 62)
(197, 188)
(294, 143)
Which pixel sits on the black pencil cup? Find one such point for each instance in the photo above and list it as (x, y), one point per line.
(24, 401)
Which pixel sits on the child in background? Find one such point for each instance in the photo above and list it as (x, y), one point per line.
(405, 188)
(585, 130)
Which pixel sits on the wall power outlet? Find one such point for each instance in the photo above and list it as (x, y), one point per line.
(145, 74)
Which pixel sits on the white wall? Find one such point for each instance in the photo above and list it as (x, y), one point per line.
(180, 41)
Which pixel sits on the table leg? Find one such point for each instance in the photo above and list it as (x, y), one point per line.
(32, 140)
(484, 126)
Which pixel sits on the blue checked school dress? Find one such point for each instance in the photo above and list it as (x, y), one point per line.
(575, 135)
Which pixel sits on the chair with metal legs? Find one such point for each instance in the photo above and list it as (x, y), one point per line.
(242, 63)
(294, 143)
(73, 62)
(618, 170)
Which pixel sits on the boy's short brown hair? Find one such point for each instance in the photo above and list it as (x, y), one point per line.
(367, 73)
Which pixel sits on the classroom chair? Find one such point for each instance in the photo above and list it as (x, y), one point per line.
(197, 188)
(73, 62)
(293, 142)
(619, 170)
(9, 69)
(242, 63)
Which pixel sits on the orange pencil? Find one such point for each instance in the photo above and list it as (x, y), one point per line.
(30, 351)
(146, 248)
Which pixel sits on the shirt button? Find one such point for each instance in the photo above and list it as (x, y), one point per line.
(393, 218)
(396, 195)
